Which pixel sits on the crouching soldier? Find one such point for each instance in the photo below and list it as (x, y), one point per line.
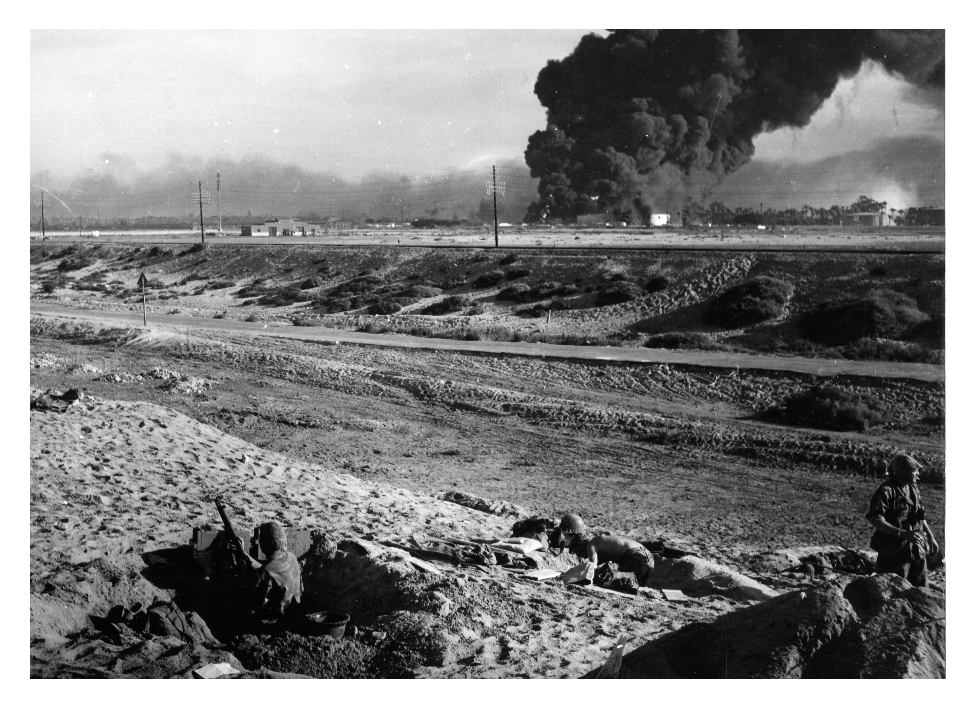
(277, 580)
(628, 554)
(902, 537)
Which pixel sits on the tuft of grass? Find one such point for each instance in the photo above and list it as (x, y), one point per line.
(656, 283)
(892, 351)
(419, 291)
(384, 307)
(515, 292)
(488, 279)
(618, 292)
(450, 304)
(313, 282)
(75, 264)
(513, 274)
(282, 297)
(683, 341)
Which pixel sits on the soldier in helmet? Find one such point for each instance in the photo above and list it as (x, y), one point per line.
(277, 580)
(629, 555)
(902, 537)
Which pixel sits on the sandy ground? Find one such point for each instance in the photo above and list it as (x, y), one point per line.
(362, 442)
(114, 480)
(390, 431)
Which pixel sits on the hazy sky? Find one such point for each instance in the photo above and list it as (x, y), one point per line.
(348, 102)
(353, 102)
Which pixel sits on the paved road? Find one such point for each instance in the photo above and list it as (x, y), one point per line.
(802, 365)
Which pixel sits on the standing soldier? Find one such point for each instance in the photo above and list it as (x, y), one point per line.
(902, 538)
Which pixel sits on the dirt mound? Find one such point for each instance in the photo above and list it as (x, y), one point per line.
(867, 627)
(699, 577)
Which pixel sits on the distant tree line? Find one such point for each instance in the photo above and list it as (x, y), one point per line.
(694, 213)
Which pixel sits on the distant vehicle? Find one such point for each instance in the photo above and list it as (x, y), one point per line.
(761, 227)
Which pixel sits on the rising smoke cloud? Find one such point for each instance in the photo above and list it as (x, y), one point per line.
(901, 171)
(645, 118)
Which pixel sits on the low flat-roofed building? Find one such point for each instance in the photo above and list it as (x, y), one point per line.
(864, 219)
(290, 227)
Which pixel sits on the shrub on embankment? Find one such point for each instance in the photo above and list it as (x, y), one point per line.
(881, 313)
(450, 304)
(488, 333)
(832, 408)
(754, 301)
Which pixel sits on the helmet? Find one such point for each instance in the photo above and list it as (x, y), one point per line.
(271, 537)
(903, 463)
(572, 523)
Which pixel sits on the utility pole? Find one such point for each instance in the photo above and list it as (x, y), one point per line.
(493, 188)
(203, 198)
(42, 213)
(219, 210)
(202, 237)
(494, 177)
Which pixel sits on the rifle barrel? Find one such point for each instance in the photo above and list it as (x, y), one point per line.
(228, 527)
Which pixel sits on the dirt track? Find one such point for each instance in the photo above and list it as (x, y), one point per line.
(677, 450)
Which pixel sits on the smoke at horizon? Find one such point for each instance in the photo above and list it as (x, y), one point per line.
(903, 172)
(267, 188)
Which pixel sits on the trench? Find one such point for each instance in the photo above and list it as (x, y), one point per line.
(388, 634)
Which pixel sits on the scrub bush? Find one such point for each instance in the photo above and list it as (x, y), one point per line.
(881, 313)
(748, 303)
(826, 406)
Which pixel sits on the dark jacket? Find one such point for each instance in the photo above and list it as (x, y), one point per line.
(899, 506)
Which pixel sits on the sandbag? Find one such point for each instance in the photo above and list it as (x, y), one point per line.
(582, 573)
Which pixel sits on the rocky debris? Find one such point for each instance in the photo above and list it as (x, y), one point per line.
(172, 381)
(84, 368)
(187, 385)
(120, 378)
(45, 360)
(495, 507)
(852, 627)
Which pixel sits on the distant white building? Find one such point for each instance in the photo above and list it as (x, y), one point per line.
(282, 227)
(659, 219)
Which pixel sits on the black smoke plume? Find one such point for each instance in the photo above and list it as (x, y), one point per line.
(646, 119)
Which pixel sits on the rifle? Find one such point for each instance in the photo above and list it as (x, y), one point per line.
(233, 541)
